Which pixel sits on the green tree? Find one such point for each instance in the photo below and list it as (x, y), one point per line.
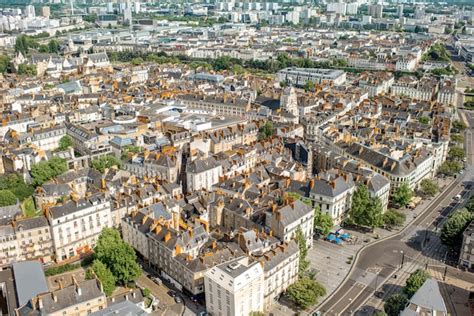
(65, 142)
(301, 241)
(27, 69)
(424, 120)
(46, 170)
(104, 275)
(402, 195)
(451, 232)
(105, 162)
(297, 196)
(456, 153)
(459, 125)
(15, 184)
(137, 61)
(457, 138)
(415, 281)
(322, 222)
(309, 86)
(7, 198)
(393, 218)
(54, 46)
(395, 304)
(266, 131)
(305, 292)
(428, 187)
(450, 168)
(118, 256)
(365, 210)
(4, 63)
(379, 313)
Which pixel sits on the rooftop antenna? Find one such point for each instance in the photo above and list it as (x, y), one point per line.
(72, 7)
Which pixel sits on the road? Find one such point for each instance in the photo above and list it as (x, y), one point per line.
(378, 262)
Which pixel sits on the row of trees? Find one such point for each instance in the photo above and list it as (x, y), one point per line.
(453, 228)
(114, 261)
(397, 303)
(47, 170)
(25, 43)
(456, 155)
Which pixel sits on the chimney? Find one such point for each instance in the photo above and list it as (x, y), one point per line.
(40, 303)
(311, 184)
(55, 297)
(332, 184)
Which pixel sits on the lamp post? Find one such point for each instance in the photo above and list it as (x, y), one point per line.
(403, 259)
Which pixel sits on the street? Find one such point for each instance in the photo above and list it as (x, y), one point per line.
(416, 246)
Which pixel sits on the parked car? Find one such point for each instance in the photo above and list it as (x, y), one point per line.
(178, 299)
(157, 280)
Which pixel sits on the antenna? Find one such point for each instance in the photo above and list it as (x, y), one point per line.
(72, 7)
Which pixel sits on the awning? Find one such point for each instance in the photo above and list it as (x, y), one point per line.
(331, 237)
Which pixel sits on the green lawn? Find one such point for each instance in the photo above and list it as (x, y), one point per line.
(28, 207)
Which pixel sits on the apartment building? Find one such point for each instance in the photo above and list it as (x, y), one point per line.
(224, 105)
(376, 83)
(9, 248)
(34, 239)
(77, 224)
(235, 288)
(202, 173)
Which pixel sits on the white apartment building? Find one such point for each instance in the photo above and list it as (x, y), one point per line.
(406, 64)
(300, 76)
(333, 196)
(9, 249)
(76, 225)
(202, 174)
(286, 221)
(235, 288)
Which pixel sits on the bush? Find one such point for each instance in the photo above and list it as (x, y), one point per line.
(415, 281)
(395, 304)
(146, 292)
(61, 269)
(394, 218)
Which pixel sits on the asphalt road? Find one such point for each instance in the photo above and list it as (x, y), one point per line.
(378, 262)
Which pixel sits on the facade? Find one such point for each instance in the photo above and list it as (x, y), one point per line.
(76, 225)
(202, 174)
(34, 239)
(235, 288)
(300, 76)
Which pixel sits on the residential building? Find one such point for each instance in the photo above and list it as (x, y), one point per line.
(300, 76)
(235, 288)
(466, 258)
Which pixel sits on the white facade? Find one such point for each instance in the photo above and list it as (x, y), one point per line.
(300, 76)
(76, 226)
(235, 288)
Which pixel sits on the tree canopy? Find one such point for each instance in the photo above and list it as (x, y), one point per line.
(395, 304)
(7, 198)
(402, 195)
(46, 170)
(105, 162)
(266, 131)
(65, 142)
(301, 241)
(305, 292)
(366, 210)
(415, 281)
(322, 222)
(393, 218)
(117, 256)
(456, 153)
(15, 184)
(104, 275)
(428, 187)
(451, 232)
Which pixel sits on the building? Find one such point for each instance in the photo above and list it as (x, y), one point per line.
(202, 174)
(466, 258)
(76, 225)
(45, 11)
(235, 288)
(300, 76)
(34, 239)
(426, 301)
(375, 10)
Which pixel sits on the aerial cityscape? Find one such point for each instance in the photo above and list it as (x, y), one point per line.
(237, 157)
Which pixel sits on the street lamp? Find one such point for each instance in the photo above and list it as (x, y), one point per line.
(403, 259)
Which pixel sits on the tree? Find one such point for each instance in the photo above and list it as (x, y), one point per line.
(458, 125)
(26, 69)
(65, 142)
(428, 187)
(54, 47)
(393, 218)
(456, 153)
(15, 184)
(105, 162)
(424, 120)
(305, 292)
(322, 222)
(118, 256)
(266, 131)
(451, 232)
(366, 210)
(402, 195)
(415, 281)
(450, 168)
(7, 198)
(104, 275)
(297, 196)
(379, 313)
(457, 138)
(46, 170)
(395, 304)
(4, 63)
(301, 241)
(309, 86)
(137, 61)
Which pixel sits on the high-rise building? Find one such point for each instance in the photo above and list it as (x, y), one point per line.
(352, 8)
(235, 288)
(400, 10)
(375, 10)
(338, 7)
(45, 11)
(30, 11)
